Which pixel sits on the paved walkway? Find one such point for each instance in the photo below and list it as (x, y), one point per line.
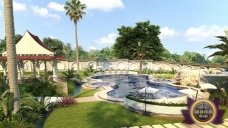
(87, 99)
(182, 125)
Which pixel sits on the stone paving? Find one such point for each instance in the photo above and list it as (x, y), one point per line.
(182, 125)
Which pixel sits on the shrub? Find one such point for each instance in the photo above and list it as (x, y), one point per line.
(70, 86)
(66, 101)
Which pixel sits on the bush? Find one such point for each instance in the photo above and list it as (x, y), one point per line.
(155, 103)
(40, 87)
(66, 101)
(70, 86)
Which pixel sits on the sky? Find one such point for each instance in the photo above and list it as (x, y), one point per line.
(185, 25)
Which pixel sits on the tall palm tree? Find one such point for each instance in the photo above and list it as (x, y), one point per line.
(75, 10)
(11, 52)
(223, 47)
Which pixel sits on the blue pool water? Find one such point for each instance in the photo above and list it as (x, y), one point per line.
(125, 84)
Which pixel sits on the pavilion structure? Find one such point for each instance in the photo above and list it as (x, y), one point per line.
(31, 48)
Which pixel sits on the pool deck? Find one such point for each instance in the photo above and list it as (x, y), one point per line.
(182, 125)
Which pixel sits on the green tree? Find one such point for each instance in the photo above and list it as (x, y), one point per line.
(218, 60)
(54, 44)
(3, 42)
(223, 47)
(67, 50)
(11, 53)
(106, 53)
(82, 53)
(127, 43)
(75, 10)
(193, 57)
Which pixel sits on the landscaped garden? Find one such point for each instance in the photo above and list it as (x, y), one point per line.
(155, 94)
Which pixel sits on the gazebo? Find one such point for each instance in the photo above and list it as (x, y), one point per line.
(31, 48)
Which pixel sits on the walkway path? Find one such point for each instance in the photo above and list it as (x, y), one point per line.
(87, 99)
(182, 125)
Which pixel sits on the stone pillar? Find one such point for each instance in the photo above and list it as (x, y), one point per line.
(55, 70)
(21, 69)
(45, 67)
(37, 69)
(34, 68)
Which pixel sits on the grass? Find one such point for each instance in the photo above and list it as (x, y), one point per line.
(226, 112)
(86, 92)
(101, 115)
(164, 76)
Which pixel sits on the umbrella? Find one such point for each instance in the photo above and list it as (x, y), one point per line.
(148, 90)
(188, 91)
(207, 86)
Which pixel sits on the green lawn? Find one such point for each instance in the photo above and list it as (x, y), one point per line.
(101, 115)
(87, 92)
(164, 76)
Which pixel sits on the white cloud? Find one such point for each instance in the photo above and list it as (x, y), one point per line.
(203, 32)
(103, 5)
(19, 6)
(44, 12)
(107, 40)
(92, 48)
(167, 32)
(56, 6)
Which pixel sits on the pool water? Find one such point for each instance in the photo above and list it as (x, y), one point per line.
(125, 84)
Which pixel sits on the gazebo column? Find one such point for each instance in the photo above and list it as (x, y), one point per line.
(34, 68)
(45, 67)
(55, 70)
(21, 69)
(37, 69)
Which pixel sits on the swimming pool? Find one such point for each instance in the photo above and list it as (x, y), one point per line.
(129, 84)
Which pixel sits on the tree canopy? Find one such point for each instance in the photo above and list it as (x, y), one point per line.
(54, 44)
(127, 43)
(193, 57)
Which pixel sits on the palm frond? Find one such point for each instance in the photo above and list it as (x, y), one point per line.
(218, 53)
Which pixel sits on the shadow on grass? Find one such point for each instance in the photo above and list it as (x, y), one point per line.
(105, 115)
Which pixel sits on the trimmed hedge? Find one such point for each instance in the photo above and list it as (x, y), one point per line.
(155, 103)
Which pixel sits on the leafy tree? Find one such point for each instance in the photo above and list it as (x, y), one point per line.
(193, 57)
(75, 11)
(223, 47)
(82, 53)
(106, 53)
(54, 44)
(218, 60)
(127, 43)
(11, 53)
(67, 50)
(93, 54)
(175, 57)
(18, 38)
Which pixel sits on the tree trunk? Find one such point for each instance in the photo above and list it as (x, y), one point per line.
(11, 52)
(76, 46)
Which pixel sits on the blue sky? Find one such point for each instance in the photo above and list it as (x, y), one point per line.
(186, 25)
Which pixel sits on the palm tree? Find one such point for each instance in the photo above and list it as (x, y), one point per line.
(11, 52)
(223, 47)
(75, 10)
